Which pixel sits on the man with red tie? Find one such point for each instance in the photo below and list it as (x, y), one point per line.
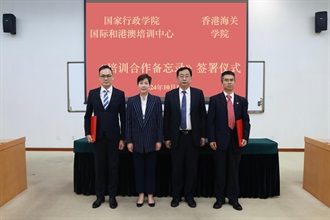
(224, 109)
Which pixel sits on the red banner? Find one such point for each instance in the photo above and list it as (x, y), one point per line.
(158, 38)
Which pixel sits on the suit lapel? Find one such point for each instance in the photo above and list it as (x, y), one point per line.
(237, 101)
(113, 95)
(192, 98)
(223, 100)
(138, 109)
(177, 100)
(149, 107)
(98, 91)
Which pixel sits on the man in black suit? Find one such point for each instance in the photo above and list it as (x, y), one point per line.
(184, 134)
(222, 137)
(108, 104)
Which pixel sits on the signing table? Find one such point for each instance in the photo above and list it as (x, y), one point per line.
(258, 176)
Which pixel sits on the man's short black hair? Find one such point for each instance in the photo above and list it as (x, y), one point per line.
(183, 68)
(227, 73)
(104, 67)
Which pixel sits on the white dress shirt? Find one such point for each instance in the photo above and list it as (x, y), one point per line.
(144, 105)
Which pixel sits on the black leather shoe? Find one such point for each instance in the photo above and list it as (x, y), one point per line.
(236, 206)
(191, 202)
(175, 202)
(113, 202)
(98, 202)
(218, 204)
(139, 205)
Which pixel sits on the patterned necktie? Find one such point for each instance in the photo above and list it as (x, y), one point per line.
(105, 99)
(184, 111)
(231, 114)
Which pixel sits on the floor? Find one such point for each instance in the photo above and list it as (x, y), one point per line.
(50, 196)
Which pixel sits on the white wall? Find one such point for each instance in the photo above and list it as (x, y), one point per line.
(50, 33)
(297, 95)
(33, 71)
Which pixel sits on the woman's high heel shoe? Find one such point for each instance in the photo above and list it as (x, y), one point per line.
(139, 205)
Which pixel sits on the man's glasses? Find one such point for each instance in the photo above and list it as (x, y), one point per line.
(105, 76)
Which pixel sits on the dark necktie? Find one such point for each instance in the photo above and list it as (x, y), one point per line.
(231, 114)
(184, 111)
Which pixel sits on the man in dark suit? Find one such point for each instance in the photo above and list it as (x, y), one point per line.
(222, 137)
(108, 104)
(184, 134)
(144, 136)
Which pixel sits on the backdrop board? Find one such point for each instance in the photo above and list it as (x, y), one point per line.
(158, 37)
(256, 86)
(255, 93)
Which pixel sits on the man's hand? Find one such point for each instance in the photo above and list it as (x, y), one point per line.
(202, 142)
(244, 142)
(168, 144)
(89, 138)
(213, 145)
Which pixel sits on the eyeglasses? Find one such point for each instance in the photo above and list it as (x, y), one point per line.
(106, 76)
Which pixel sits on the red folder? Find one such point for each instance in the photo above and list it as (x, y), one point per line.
(239, 128)
(93, 127)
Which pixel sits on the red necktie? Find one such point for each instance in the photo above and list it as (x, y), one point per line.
(231, 114)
